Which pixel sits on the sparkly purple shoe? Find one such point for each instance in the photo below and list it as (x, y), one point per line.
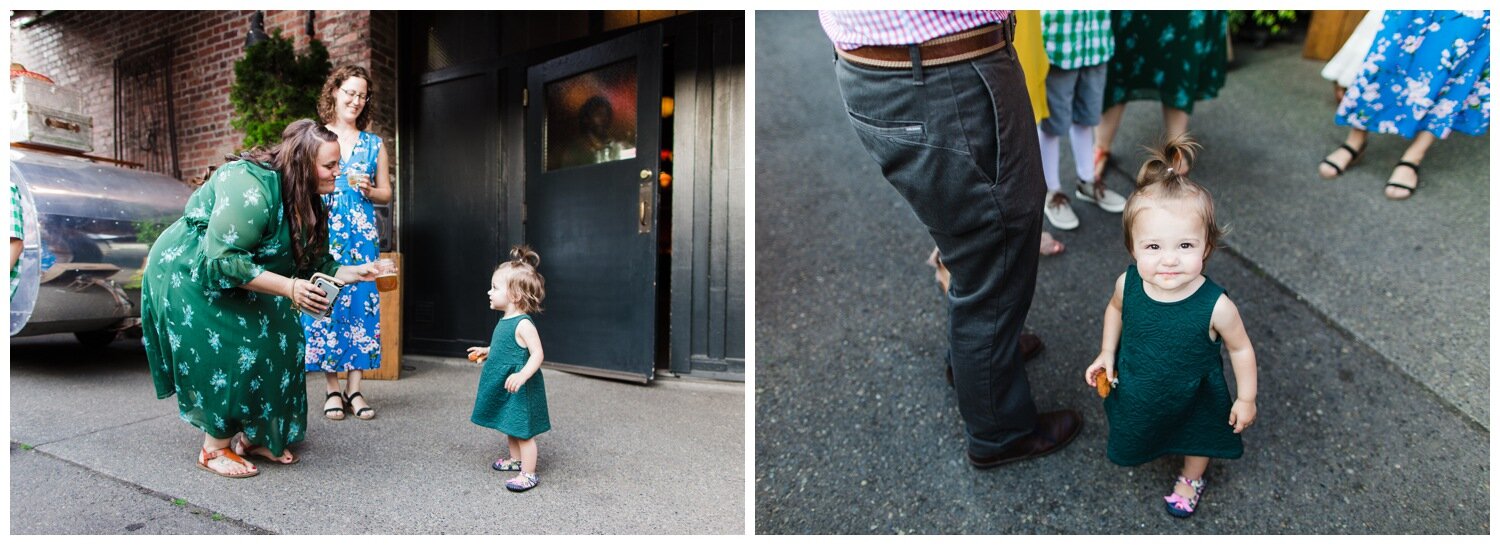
(506, 464)
(522, 482)
(1181, 507)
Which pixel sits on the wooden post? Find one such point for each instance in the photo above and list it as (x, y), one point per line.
(1327, 32)
(390, 327)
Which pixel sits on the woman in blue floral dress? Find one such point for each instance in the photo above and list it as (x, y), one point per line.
(1427, 75)
(349, 340)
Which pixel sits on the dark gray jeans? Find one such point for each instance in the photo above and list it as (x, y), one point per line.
(959, 143)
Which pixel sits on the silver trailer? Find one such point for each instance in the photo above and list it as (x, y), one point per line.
(88, 227)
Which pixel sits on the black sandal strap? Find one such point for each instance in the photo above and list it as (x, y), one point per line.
(339, 410)
(351, 397)
(1353, 152)
(362, 411)
(1336, 168)
(1411, 165)
(332, 395)
(1411, 190)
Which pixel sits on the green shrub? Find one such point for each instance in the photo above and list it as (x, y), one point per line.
(274, 86)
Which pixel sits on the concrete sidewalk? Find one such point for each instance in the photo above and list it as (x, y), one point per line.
(1373, 363)
(93, 451)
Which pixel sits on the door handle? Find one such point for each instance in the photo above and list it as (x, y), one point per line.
(643, 219)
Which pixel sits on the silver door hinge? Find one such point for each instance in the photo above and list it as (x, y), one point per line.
(525, 97)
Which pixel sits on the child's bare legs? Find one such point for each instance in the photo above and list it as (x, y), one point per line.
(514, 446)
(1406, 176)
(1192, 468)
(1341, 156)
(527, 449)
(1176, 121)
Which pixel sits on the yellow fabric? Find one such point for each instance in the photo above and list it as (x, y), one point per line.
(1033, 56)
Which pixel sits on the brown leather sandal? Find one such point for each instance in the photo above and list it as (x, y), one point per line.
(204, 455)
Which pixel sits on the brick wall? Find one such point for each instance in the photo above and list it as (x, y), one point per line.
(78, 48)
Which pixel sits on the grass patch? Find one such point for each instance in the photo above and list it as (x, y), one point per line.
(179, 502)
(25, 446)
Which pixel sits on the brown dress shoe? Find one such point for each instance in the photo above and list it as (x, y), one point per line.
(1054, 430)
(1031, 345)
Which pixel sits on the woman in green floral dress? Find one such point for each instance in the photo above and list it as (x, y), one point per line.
(220, 297)
(1176, 58)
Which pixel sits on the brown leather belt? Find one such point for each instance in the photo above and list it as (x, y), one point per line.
(935, 52)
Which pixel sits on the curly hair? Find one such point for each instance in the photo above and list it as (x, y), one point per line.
(525, 284)
(327, 100)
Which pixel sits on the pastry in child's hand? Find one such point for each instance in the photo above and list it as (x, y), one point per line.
(1101, 382)
(474, 356)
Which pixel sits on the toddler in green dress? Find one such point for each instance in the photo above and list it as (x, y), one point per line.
(512, 396)
(1163, 331)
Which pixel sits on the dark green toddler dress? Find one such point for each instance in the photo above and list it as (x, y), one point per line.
(523, 414)
(1172, 398)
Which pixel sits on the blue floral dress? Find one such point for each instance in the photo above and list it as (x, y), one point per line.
(1428, 71)
(349, 339)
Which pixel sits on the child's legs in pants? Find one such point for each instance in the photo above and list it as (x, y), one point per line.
(1088, 101)
(1060, 101)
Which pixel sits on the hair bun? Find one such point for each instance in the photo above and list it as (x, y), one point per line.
(523, 254)
(1170, 160)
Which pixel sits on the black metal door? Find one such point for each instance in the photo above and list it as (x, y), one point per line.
(453, 227)
(592, 147)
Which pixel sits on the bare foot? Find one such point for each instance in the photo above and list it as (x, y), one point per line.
(941, 271)
(243, 447)
(1050, 246)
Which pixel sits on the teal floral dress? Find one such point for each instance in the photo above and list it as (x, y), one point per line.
(349, 339)
(1175, 57)
(231, 356)
(1427, 71)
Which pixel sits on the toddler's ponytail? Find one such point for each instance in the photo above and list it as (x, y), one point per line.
(522, 255)
(1168, 164)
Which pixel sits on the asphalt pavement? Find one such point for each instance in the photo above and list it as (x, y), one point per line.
(94, 452)
(1369, 319)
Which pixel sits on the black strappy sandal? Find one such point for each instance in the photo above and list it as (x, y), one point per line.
(1353, 156)
(360, 414)
(1410, 189)
(334, 413)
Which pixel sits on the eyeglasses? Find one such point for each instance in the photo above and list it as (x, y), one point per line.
(356, 96)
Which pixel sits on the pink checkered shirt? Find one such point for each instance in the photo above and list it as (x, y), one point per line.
(857, 28)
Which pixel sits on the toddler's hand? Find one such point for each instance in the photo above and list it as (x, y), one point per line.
(1105, 362)
(478, 354)
(515, 381)
(1242, 415)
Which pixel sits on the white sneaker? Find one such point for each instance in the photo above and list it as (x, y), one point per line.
(1110, 201)
(1059, 213)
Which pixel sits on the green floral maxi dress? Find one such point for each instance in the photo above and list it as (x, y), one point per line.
(233, 357)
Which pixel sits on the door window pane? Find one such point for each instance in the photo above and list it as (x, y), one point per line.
(590, 117)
